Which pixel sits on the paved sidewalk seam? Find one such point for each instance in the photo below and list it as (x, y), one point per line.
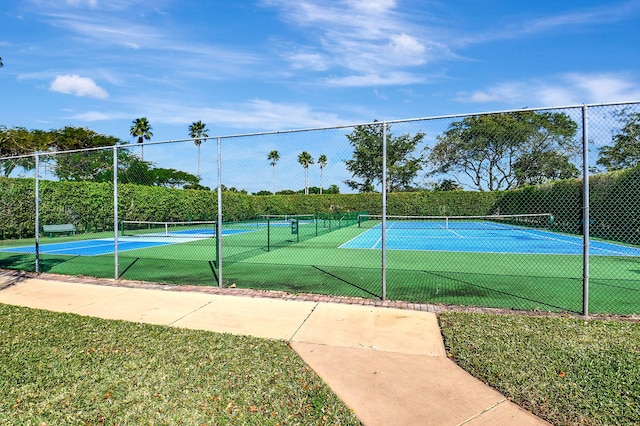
(172, 323)
(302, 323)
(486, 410)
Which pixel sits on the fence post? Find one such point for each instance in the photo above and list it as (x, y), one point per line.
(383, 247)
(219, 227)
(585, 211)
(116, 271)
(37, 201)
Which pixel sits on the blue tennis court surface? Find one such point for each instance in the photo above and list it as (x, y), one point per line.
(86, 247)
(494, 240)
(102, 246)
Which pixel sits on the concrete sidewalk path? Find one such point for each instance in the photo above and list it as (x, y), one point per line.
(388, 365)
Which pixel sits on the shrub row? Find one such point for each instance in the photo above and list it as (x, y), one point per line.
(614, 208)
(614, 204)
(89, 205)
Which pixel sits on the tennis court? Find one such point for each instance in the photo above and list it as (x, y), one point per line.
(511, 262)
(154, 234)
(485, 235)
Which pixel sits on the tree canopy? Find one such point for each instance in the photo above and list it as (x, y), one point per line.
(625, 151)
(403, 160)
(503, 151)
(86, 165)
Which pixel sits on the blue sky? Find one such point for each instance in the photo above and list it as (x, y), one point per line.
(260, 65)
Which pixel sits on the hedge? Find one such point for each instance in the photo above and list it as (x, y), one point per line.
(89, 205)
(614, 204)
(615, 207)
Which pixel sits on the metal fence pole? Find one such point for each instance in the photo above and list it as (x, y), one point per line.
(384, 211)
(585, 210)
(37, 201)
(115, 213)
(219, 227)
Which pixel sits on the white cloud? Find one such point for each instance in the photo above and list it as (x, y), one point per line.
(91, 3)
(374, 79)
(359, 36)
(94, 116)
(565, 89)
(78, 86)
(308, 61)
(406, 49)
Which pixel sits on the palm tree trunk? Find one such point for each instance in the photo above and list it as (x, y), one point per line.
(274, 180)
(199, 177)
(320, 180)
(306, 181)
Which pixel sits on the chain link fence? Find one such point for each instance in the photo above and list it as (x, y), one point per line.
(488, 210)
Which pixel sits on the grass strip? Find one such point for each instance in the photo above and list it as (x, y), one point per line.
(565, 370)
(58, 368)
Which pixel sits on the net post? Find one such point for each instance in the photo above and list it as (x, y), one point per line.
(268, 234)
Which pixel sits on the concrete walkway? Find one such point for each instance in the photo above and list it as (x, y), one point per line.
(388, 365)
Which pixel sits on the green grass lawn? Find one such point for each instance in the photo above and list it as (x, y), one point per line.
(60, 368)
(567, 371)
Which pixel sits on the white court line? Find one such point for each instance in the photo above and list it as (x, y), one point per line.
(45, 251)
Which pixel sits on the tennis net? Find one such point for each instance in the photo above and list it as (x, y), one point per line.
(192, 229)
(490, 222)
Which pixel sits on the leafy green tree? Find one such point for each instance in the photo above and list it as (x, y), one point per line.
(625, 151)
(70, 138)
(17, 141)
(197, 131)
(322, 162)
(403, 162)
(539, 167)
(86, 165)
(172, 178)
(502, 151)
(447, 185)
(333, 189)
(97, 166)
(305, 159)
(274, 157)
(141, 129)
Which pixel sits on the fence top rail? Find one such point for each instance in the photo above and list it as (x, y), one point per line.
(334, 127)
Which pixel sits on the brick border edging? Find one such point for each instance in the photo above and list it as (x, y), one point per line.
(307, 297)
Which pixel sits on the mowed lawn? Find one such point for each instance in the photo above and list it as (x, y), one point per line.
(58, 368)
(565, 370)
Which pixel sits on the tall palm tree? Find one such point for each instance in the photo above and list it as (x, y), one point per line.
(322, 162)
(197, 131)
(274, 156)
(141, 129)
(305, 159)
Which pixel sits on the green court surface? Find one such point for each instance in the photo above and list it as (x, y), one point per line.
(275, 259)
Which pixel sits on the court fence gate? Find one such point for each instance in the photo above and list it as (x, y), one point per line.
(530, 209)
